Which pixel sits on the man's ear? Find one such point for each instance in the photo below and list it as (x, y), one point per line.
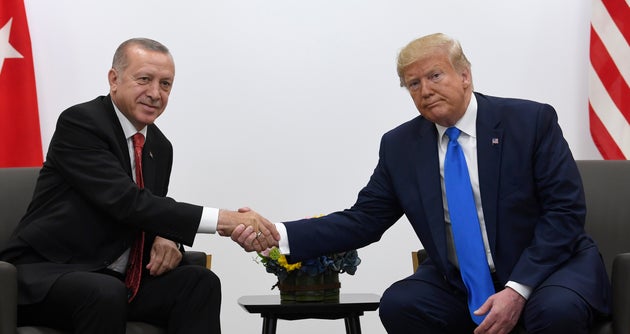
(466, 78)
(112, 77)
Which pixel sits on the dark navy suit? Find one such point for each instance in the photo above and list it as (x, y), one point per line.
(532, 200)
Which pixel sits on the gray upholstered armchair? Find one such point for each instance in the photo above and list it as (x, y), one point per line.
(607, 189)
(16, 190)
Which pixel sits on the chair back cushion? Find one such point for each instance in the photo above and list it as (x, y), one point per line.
(16, 193)
(607, 191)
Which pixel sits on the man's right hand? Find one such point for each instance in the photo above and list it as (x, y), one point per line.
(261, 235)
(245, 236)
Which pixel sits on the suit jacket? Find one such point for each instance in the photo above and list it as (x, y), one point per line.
(86, 209)
(531, 193)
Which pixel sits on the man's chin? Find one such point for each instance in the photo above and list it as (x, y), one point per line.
(149, 119)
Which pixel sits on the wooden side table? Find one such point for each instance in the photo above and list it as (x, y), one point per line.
(349, 307)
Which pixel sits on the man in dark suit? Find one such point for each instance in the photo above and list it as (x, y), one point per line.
(530, 209)
(94, 198)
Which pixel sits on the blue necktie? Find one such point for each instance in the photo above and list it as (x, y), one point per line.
(471, 254)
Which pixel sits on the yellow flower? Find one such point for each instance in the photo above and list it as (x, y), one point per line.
(282, 260)
(276, 263)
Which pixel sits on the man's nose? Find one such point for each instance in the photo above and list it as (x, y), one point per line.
(153, 90)
(425, 89)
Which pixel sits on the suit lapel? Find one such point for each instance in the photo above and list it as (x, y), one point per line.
(429, 185)
(489, 152)
(149, 163)
(119, 134)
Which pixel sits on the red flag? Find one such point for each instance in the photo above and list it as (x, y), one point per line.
(20, 137)
(609, 78)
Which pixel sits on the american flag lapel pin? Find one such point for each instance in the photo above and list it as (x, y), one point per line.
(495, 141)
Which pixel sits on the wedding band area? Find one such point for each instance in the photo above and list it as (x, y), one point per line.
(258, 234)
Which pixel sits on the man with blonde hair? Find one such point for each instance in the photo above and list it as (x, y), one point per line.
(492, 191)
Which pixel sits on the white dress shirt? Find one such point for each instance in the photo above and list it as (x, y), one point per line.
(209, 216)
(468, 141)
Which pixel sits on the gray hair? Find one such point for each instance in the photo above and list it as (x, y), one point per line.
(120, 61)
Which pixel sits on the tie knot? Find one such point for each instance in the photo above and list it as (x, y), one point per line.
(138, 140)
(453, 133)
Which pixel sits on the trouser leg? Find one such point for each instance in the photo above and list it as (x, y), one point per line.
(555, 309)
(424, 303)
(186, 300)
(81, 302)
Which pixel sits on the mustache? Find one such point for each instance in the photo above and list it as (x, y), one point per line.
(156, 103)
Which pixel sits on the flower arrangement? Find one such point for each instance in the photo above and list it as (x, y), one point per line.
(276, 263)
(310, 280)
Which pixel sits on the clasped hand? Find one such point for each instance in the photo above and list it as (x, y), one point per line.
(248, 228)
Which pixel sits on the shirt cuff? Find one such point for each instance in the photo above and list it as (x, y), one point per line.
(209, 220)
(521, 289)
(283, 244)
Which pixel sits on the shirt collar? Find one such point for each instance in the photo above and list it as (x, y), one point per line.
(128, 129)
(468, 123)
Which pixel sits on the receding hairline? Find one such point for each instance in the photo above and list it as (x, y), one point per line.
(120, 60)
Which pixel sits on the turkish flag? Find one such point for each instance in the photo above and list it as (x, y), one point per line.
(20, 137)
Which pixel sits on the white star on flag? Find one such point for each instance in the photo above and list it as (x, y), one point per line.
(6, 49)
(20, 137)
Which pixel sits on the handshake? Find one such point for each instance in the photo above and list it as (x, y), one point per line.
(248, 228)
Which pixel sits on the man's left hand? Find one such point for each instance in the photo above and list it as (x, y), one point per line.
(165, 256)
(504, 308)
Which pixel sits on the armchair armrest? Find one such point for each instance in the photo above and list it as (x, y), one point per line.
(8, 298)
(417, 257)
(196, 258)
(621, 293)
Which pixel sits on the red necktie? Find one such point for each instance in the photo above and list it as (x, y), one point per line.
(134, 270)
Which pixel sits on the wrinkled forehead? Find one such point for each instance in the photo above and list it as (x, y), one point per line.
(156, 60)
